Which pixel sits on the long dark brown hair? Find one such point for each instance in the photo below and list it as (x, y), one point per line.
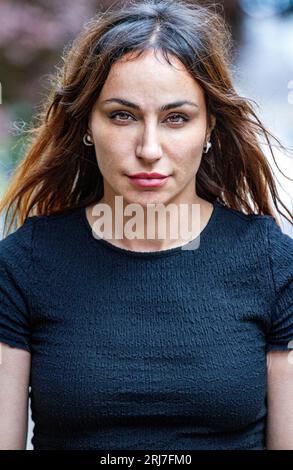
(59, 173)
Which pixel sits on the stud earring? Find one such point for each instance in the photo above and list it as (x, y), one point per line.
(87, 140)
(207, 147)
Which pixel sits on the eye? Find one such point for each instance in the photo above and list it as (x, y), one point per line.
(127, 115)
(119, 113)
(185, 119)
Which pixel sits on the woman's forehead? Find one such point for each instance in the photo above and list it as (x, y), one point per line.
(147, 77)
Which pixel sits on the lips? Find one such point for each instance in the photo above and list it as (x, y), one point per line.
(147, 181)
(148, 175)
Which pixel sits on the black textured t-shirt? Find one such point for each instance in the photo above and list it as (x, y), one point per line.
(148, 350)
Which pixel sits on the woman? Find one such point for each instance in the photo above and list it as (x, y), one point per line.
(146, 342)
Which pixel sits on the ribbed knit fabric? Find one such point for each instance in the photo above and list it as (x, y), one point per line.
(148, 350)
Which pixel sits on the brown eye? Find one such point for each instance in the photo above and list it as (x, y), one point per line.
(185, 119)
(113, 116)
(175, 118)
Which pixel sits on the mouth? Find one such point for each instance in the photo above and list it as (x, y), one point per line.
(148, 182)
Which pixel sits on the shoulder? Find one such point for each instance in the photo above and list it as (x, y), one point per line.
(240, 217)
(15, 281)
(37, 231)
(16, 247)
(235, 223)
(259, 233)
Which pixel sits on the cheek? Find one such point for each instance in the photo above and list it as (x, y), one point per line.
(112, 154)
(187, 158)
(188, 145)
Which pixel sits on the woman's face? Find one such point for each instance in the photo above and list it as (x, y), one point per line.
(138, 136)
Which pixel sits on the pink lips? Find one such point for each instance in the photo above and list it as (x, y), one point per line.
(148, 180)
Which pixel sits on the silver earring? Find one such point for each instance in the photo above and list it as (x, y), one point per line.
(207, 147)
(87, 140)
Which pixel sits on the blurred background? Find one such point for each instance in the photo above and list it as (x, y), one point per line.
(34, 33)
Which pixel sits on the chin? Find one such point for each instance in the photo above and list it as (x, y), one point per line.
(148, 198)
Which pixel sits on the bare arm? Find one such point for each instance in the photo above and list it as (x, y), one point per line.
(280, 402)
(14, 391)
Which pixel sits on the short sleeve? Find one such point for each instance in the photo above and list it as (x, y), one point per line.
(15, 271)
(280, 247)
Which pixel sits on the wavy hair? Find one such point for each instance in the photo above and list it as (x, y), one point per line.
(59, 173)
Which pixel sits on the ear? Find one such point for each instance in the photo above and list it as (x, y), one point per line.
(211, 125)
(89, 126)
(212, 122)
(89, 132)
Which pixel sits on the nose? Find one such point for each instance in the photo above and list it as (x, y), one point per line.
(149, 147)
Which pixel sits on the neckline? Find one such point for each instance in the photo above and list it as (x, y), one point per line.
(153, 254)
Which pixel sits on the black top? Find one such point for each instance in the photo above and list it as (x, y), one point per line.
(148, 350)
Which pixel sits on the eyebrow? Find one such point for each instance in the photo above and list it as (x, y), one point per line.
(165, 107)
